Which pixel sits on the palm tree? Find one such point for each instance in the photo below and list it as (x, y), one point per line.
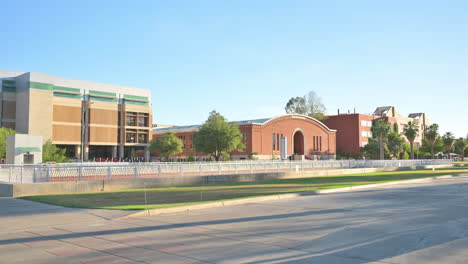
(411, 131)
(380, 129)
(432, 134)
(461, 144)
(448, 140)
(396, 144)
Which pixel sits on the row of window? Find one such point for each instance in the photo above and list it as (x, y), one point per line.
(137, 119)
(317, 143)
(277, 141)
(365, 123)
(136, 136)
(367, 134)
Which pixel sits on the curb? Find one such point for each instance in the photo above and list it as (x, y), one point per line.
(185, 208)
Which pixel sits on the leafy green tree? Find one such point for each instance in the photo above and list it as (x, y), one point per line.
(380, 130)
(448, 139)
(4, 132)
(216, 136)
(431, 135)
(395, 144)
(411, 131)
(167, 145)
(461, 144)
(372, 149)
(310, 105)
(52, 153)
(191, 157)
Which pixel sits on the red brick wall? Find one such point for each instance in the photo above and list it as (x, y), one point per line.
(348, 132)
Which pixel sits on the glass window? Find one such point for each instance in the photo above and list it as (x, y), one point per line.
(131, 120)
(131, 137)
(142, 138)
(142, 121)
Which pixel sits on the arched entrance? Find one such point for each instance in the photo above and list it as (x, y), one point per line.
(298, 143)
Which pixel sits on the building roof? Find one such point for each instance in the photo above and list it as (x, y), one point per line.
(260, 121)
(382, 110)
(416, 115)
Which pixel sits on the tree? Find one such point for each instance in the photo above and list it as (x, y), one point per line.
(52, 153)
(296, 105)
(372, 149)
(461, 144)
(4, 132)
(431, 135)
(380, 130)
(411, 131)
(310, 105)
(395, 144)
(167, 145)
(216, 136)
(448, 140)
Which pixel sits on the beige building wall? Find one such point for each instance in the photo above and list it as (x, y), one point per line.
(103, 123)
(40, 113)
(66, 121)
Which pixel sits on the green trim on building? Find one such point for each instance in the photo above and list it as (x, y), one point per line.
(21, 150)
(67, 95)
(9, 89)
(98, 93)
(9, 82)
(134, 97)
(41, 86)
(103, 99)
(66, 89)
(136, 102)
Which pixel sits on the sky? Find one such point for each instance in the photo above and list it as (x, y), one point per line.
(246, 58)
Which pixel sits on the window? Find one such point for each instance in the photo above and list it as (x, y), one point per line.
(274, 141)
(142, 121)
(365, 123)
(131, 120)
(367, 134)
(142, 138)
(320, 144)
(131, 137)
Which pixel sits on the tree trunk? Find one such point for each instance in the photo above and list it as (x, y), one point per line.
(412, 151)
(382, 152)
(432, 151)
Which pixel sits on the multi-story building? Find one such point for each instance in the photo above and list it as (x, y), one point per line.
(354, 130)
(103, 120)
(269, 137)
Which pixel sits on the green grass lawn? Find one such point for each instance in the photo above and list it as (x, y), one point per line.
(176, 196)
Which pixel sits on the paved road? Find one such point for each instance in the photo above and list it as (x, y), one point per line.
(418, 223)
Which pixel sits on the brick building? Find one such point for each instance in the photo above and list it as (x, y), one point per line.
(354, 130)
(300, 135)
(91, 120)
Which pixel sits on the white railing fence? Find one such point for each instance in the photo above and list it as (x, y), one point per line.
(109, 171)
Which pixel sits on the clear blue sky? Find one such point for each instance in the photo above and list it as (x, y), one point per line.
(247, 58)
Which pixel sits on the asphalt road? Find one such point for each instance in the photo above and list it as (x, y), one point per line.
(412, 223)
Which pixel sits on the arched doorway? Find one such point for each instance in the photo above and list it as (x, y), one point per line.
(298, 143)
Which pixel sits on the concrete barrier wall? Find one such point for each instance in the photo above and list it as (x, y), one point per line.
(28, 189)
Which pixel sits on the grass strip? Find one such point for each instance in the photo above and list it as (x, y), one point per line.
(187, 195)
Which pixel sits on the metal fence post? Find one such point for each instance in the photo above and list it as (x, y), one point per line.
(80, 172)
(200, 170)
(109, 173)
(34, 174)
(135, 172)
(48, 171)
(219, 168)
(159, 171)
(251, 171)
(21, 178)
(9, 174)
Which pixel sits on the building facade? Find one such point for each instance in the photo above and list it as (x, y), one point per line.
(301, 135)
(91, 120)
(354, 130)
